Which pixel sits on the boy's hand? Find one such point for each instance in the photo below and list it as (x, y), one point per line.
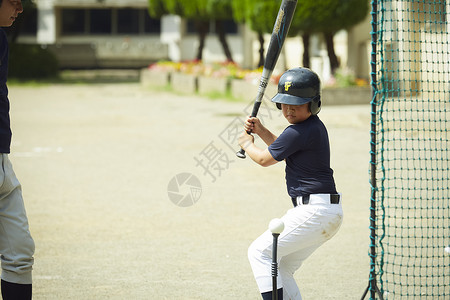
(253, 125)
(245, 140)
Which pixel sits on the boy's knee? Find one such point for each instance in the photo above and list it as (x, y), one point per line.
(253, 251)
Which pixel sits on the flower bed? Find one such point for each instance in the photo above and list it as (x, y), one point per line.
(229, 79)
(196, 77)
(214, 70)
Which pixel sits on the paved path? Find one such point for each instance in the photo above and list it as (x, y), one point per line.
(95, 162)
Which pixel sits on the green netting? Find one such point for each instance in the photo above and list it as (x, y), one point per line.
(410, 150)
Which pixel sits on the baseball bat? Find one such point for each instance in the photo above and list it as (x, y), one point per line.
(279, 33)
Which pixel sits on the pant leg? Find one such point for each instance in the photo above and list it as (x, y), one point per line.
(16, 243)
(288, 265)
(306, 228)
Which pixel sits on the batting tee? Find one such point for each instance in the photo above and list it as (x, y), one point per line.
(409, 170)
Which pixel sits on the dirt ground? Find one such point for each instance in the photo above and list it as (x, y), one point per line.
(95, 162)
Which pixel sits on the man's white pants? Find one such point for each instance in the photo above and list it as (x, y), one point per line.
(16, 243)
(307, 227)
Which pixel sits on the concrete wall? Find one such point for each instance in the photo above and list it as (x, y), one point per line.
(358, 48)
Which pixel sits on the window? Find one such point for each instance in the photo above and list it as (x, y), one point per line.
(73, 21)
(107, 21)
(151, 25)
(128, 20)
(191, 26)
(230, 27)
(100, 21)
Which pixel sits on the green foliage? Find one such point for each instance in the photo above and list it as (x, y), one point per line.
(31, 62)
(220, 9)
(345, 77)
(352, 12)
(195, 9)
(239, 8)
(156, 8)
(328, 15)
(190, 9)
(261, 14)
(174, 7)
(311, 15)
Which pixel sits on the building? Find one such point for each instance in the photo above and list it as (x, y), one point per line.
(120, 34)
(97, 33)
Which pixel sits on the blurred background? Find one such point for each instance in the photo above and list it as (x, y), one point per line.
(332, 37)
(95, 160)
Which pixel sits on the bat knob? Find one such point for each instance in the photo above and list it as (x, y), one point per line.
(241, 154)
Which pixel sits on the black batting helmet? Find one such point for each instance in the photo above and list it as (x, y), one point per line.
(299, 86)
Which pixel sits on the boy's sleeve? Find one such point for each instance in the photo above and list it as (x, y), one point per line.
(3, 47)
(3, 65)
(289, 142)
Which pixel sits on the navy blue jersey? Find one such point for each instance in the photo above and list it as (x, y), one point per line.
(5, 130)
(306, 149)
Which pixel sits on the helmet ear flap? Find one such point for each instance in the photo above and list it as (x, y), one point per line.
(314, 105)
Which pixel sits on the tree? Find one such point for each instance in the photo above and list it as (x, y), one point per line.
(326, 17)
(347, 14)
(304, 23)
(157, 8)
(196, 10)
(259, 15)
(221, 10)
(201, 12)
(189, 9)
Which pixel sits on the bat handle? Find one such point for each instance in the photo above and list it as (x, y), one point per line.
(241, 154)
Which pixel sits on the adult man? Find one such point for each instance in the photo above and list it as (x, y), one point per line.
(16, 243)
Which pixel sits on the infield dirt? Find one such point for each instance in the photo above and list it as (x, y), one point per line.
(95, 161)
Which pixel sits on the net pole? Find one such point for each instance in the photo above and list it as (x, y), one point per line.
(372, 286)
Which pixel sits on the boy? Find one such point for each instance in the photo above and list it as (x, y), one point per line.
(317, 213)
(16, 243)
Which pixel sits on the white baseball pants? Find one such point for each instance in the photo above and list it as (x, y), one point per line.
(16, 243)
(307, 227)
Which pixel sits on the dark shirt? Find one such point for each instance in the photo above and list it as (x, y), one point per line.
(306, 149)
(5, 129)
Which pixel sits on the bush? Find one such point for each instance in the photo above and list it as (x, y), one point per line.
(31, 62)
(345, 77)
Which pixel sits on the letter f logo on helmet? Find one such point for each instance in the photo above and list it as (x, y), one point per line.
(287, 85)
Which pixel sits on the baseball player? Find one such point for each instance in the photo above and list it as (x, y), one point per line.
(16, 243)
(304, 146)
